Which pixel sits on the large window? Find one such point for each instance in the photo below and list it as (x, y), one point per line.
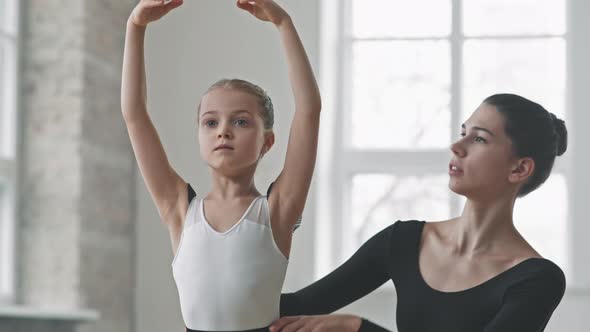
(8, 169)
(401, 77)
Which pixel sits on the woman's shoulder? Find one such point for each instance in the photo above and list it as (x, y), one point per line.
(402, 227)
(537, 278)
(401, 233)
(541, 268)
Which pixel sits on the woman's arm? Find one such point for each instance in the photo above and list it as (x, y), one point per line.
(369, 268)
(292, 185)
(363, 272)
(163, 183)
(528, 306)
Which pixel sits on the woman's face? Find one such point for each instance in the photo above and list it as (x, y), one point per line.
(483, 159)
(231, 130)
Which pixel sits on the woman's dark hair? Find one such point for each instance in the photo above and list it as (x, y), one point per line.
(535, 133)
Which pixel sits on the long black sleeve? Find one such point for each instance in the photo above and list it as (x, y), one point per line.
(364, 272)
(527, 306)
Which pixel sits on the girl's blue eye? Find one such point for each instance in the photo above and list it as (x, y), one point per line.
(210, 123)
(240, 122)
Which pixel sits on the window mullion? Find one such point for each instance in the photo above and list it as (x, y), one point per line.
(7, 36)
(6, 168)
(399, 162)
(514, 37)
(9, 156)
(456, 82)
(379, 39)
(343, 126)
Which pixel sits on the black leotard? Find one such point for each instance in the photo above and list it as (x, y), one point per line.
(520, 299)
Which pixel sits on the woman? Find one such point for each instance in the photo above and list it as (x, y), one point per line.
(475, 272)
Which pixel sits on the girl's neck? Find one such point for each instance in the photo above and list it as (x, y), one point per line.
(230, 187)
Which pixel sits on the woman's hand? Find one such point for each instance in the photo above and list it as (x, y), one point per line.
(322, 323)
(265, 10)
(148, 11)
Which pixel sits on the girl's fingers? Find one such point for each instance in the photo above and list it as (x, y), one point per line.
(246, 6)
(298, 325)
(279, 324)
(243, 5)
(152, 3)
(174, 3)
(255, 3)
(160, 3)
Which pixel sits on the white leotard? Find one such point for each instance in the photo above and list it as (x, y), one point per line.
(231, 280)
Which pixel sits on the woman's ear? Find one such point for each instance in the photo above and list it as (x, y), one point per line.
(522, 170)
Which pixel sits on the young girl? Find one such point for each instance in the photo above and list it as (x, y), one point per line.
(231, 246)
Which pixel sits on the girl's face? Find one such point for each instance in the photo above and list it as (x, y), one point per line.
(231, 131)
(483, 163)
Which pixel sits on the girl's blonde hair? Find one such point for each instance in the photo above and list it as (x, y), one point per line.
(250, 88)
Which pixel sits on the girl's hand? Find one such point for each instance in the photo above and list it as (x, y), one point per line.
(265, 10)
(322, 323)
(148, 11)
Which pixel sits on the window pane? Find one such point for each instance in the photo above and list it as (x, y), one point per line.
(532, 68)
(378, 200)
(400, 95)
(400, 18)
(3, 14)
(509, 17)
(542, 216)
(7, 98)
(4, 268)
(8, 16)
(3, 212)
(2, 219)
(4, 80)
(2, 190)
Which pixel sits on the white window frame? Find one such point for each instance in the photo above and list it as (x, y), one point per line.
(578, 78)
(9, 157)
(336, 162)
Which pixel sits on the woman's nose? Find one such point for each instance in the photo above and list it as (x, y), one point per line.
(457, 149)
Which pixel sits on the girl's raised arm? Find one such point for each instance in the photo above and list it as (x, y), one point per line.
(292, 185)
(163, 183)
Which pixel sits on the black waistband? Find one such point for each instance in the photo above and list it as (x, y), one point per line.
(262, 329)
